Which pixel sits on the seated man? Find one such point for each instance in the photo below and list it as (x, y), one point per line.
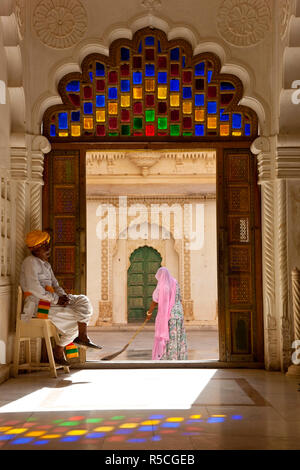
(69, 313)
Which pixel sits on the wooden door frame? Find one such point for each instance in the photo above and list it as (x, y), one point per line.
(218, 145)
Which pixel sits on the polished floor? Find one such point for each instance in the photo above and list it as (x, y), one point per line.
(151, 409)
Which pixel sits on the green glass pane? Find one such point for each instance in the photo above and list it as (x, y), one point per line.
(138, 123)
(113, 134)
(187, 134)
(125, 130)
(162, 123)
(175, 130)
(150, 115)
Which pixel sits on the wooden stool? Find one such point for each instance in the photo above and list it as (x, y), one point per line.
(34, 328)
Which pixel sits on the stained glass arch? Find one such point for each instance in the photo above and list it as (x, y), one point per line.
(149, 88)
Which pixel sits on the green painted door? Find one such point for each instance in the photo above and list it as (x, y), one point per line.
(141, 282)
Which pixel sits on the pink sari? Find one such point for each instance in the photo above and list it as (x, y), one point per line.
(164, 295)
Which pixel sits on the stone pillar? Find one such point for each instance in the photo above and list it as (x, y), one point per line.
(294, 369)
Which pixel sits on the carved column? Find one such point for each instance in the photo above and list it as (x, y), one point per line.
(294, 369)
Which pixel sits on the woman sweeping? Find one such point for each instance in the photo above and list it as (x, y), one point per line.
(170, 336)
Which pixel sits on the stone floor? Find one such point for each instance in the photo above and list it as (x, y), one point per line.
(150, 409)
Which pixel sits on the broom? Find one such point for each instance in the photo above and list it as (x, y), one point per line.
(112, 356)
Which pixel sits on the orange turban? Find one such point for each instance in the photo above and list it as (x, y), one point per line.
(36, 238)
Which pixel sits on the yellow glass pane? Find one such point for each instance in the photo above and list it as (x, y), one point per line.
(199, 115)
(113, 108)
(137, 93)
(212, 123)
(236, 133)
(187, 107)
(88, 123)
(150, 85)
(162, 92)
(224, 129)
(100, 116)
(75, 131)
(125, 101)
(174, 101)
(63, 134)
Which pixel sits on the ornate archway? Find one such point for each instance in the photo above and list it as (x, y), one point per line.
(151, 93)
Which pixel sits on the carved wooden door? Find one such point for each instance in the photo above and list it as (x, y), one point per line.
(239, 258)
(64, 213)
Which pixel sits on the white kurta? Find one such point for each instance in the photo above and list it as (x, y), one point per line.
(35, 276)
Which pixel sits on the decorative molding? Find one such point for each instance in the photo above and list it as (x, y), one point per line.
(105, 313)
(20, 14)
(41, 143)
(60, 23)
(285, 12)
(19, 166)
(151, 5)
(262, 148)
(243, 22)
(288, 162)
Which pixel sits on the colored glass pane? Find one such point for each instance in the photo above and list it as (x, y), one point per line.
(225, 86)
(158, 46)
(236, 121)
(187, 133)
(150, 85)
(187, 122)
(100, 85)
(113, 123)
(149, 41)
(199, 130)
(125, 115)
(199, 115)
(75, 116)
(212, 92)
(162, 77)
(247, 129)
(226, 98)
(162, 92)
(137, 123)
(75, 131)
(236, 133)
(140, 47)
(100, 101)
(187, 92)
(199, 100)
(174, 70)
(138, 108)
(88, 108)
(187, 107)
(200, 69)
(124, 70)
(52, 130)
(149, 54)
(187, 77)
(162, 107)
(75, 100)
(74, 86)
(150, 130)
(63, 134)
(223, 117)
(125, 101)
(175, 115)
(113, 134)
(63, 120)
(137, 62)
(91, 76)
(224, 130)
(174, 54)
(100, 130)
(87, 92)
(174, 130)
(183, 61)
(209, 76)
(211, 123)
(125, 130)
(150, 70)
(162, 62)
(150, 115)
(88, 123)
(137, 93)
(150, 99)
(125, 53)
(112, 93)
(199, 84)
(112, 108)
(137, 78)
(174, 85)
(162, 123)
(174, 101)
(212, 107)
(100, 116)
(100, 70)
(125, 86)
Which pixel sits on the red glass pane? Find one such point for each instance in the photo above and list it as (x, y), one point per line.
(187, 77)
(136, 133)
(162, 107)
(199, 84)
(161, 133)
(175, 115)
(187, 123)
(149, 100)
(100, 130)
(112, 77)
(88, 93)
(226, 98)
(150, 130)
(113, 123)
(125, 115)
(212, 92)
(162, 62)
(124, 70)
(100, 85)
(75, 99)
(149, 54)
(174, 70)
(137, 62)
(138, 108)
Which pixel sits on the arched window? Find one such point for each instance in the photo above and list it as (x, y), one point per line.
(150, 88)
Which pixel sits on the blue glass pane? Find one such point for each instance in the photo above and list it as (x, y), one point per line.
(200, 69)
(100, 70)
(236, 121)
(22, 440)
(75, 116)
(158, 46)
(209, 76)
(150, 70)
(223, 117)
(187, 92)
(137, 78)
(53, 130)
(73, 86)
(199, 130)
(88, 108)
(125, 53)
(175, 53)
(63, 120)
(70, 439)
(174, 85)
(100, 101)
(162, 77)
(225, 86)
(149, 41)
(212, 107)
(113, 93)
(125, 85)
(91, 76)
(247, 129)
(140, 47)
(183, 61)
(199, 100)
